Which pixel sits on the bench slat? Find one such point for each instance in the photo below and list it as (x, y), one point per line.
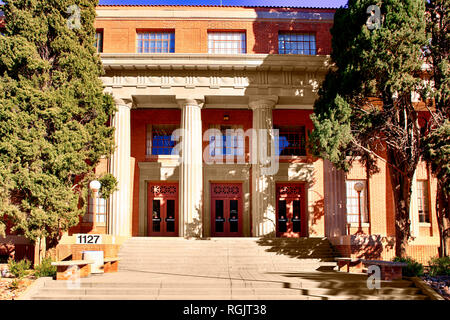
(111, 259)
(385, 263)
(72, 262)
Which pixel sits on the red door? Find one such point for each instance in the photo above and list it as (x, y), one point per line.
(162, 210)
(291, 208)
(226, 210)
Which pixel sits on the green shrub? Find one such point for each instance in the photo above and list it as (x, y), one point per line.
(440, 266)
(413, 269)
(45, 269)
(19, 269)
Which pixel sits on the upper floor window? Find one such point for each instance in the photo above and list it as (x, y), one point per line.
(155, 42)
(296, 43)
(352, 202)
(229, 143)
(422, 201)
(100, 213)
(99, 41)
(227, 42)
(159, 139)
(291, 140)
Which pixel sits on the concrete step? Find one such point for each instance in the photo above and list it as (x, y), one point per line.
(223, 290)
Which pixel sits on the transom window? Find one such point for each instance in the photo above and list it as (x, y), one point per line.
(422, 200)
(159, 139)
(231, 142)
(296, 43)
(291, 140)
(100, 210)
(99, 41)
(155, 42)
(352, 202)
(227, 42)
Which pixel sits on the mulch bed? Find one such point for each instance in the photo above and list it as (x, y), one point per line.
(440, 284)
(9, 293)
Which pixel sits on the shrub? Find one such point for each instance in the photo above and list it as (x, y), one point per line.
(440, 266)
(19, 269)
(15, 284)
(45, 269)
(413, 269)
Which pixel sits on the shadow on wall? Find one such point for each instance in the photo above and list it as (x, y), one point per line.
(371, 247)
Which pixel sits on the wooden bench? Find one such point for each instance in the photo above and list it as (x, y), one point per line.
(111, 264)
(72, 269)
(389, 270)
(352, 264)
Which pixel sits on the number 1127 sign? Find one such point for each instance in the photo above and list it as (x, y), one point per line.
(83, 238)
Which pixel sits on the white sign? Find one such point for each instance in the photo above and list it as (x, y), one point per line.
(83, 238)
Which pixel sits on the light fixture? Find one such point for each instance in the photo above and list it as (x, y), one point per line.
(359, 186)
(226, 117)
(95, 186)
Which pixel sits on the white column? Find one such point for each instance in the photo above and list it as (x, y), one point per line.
(191, 168)
(263, 185)
(119, 220)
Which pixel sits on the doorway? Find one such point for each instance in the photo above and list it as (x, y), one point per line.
(162, 210)
(226, 210)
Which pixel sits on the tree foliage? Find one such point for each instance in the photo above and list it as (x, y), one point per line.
(53, 114)
(365, 106)
(437, 143)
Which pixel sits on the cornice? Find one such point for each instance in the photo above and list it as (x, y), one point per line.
(205, 61)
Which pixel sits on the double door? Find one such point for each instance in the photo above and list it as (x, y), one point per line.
(290, 212)
(162, 212)
(226, 210)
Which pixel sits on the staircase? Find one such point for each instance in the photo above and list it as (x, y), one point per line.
(227, 269)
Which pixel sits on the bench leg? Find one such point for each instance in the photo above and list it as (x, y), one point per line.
(67, 273)
(114, 266)
(391, 273)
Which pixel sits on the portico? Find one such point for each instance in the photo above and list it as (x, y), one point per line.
(155, 93)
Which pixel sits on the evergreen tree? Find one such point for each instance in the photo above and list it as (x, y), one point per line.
(53, 114)
(365, 106)
(437, 143)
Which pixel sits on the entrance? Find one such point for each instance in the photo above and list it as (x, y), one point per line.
(162, 210)
(226, 209)
(291, 210)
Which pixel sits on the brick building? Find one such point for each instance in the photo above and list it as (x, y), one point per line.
(225, 77)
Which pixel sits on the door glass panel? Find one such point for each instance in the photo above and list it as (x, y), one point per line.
(282, 218)
(156, 216)
(234, 216)
(170, 216)
(296, 216)
(219, 216)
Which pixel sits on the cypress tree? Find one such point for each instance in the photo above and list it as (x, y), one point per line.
(53, 114)
(436, 144)
(365, 106)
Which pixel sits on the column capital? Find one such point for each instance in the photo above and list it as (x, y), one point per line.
(123, 102)
(196, 101)
(262, 102)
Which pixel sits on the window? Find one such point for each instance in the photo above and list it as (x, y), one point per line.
(296, 43)
(155, 42)
(227, 42)
(231, 142)
(99, 41)
(352, 202)
(422, 200)
(291, 140)
(100, 212)
(159, 139)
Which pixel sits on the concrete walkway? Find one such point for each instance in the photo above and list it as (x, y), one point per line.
(226, 269)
